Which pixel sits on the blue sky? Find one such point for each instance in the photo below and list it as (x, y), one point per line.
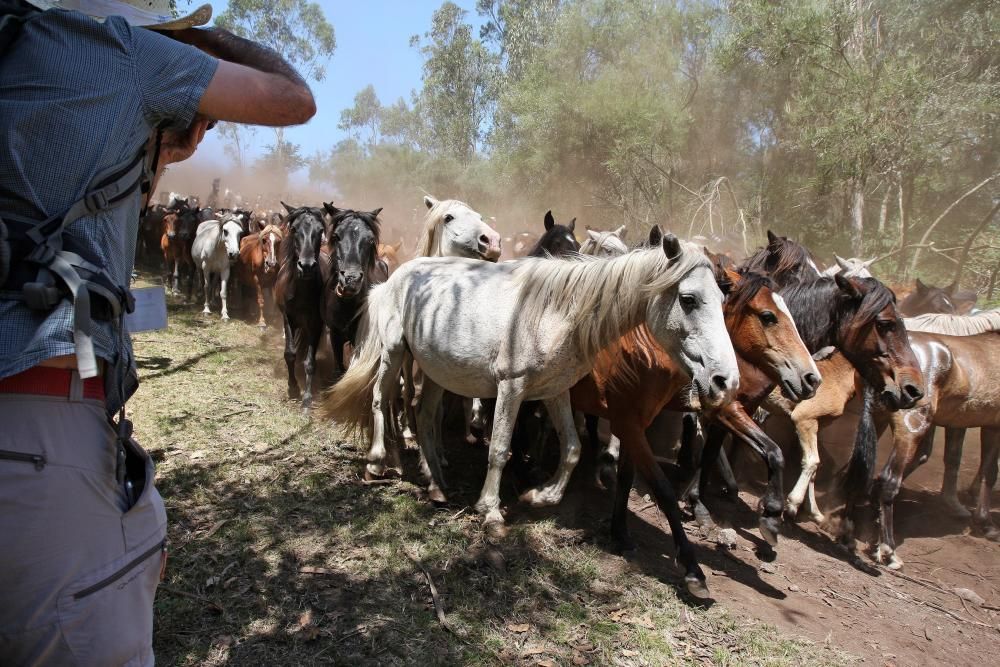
(373, 46)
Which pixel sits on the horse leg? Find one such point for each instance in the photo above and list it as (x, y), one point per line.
(807, 429)
(383, 392)
(906, 443)
(711, 446)
(410, 401)
(224, 278)
(505, 414)
(561, 414)
(337, 343)
(261, 321)
(742, 426)
(429, 435)
(308, 363)
(619, 513)
(177, 276)
(635, 446)
(954, 439)
(990, 443)
(467, 408)
(208, 282)
(290, 350)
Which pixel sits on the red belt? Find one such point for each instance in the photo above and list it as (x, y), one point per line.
(44, 381)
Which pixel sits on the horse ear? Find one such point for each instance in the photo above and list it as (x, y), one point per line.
(655, 236)
(596, 236)
(671, 247)
(842, 263)
(732, 276)
(429, 201)
(376, 212)
(330, 208)
(921, 287)
(848, 286)
(550, 222)
(620, 232)
(951, 289)
(398, 245)
(772, 239)
(869, 262)
(572, 225)
(289, 208)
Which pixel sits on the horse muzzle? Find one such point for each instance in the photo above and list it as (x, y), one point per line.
(488, 247)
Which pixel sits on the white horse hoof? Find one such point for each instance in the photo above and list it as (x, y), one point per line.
(886, 555)
(540, 497)
(818, 517)
(206, 311)
(225, 316)
(374, 471)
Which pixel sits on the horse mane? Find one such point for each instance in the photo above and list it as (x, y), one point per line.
(601, 298)
(955, 325)
(591, 247)
(821, 309)
(792, 257)
(620, 362)
(433, 222)
(271, 229)
(742, 292)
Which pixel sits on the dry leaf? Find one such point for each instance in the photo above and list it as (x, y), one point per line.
(644, 622)
(215, 527)
(580, 659)
(211, 581)
(532, 650)
(629, 653)
(200, 454)
(618, 614)
(583, 646)
(546, 663)
(518, 627)
(306, 627)
(315, 570)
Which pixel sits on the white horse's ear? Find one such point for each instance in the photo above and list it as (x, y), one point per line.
(596, 236)
(429, 201)
(572, 225)
(869, 262)
(671, 246)
(619, 232)
(842, 263)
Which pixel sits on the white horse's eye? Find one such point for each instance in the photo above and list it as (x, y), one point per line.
(689, 300)
(448, 217)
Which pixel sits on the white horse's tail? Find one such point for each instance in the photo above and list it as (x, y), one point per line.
(349, 401)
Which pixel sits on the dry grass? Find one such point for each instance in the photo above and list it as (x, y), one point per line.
(280, 556)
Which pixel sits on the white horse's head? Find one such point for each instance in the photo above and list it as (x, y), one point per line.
(686, 319)
(231, 233)
(851, 267)
(604, 244)
(452, 229)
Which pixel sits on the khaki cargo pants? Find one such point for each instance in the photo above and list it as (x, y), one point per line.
(78, 568)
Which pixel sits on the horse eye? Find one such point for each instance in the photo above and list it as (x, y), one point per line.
(688, 300)
(768, 318)
(885, 325)
(449, 217)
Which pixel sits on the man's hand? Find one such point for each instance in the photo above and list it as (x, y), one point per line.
(177, 146)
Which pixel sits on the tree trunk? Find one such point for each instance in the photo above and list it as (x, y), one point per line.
(857, 216)
(883, 214)
(968, 242)
(905, 196)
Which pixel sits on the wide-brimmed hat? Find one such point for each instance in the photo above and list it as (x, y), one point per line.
(144, 13)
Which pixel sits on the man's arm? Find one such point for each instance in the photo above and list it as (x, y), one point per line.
(253, 84)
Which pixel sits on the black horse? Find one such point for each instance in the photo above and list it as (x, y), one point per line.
(352, 239)
(784, 260)
(557, 241)
(298, 291)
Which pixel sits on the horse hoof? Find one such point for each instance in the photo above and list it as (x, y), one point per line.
(769, 528)
(225, 318)
(471, 439)
(206, 311)
(992, 534)
(538, 498)
(703, 518)
(696, 587)
(625, 545)
(606, 476)
(436, 495)
(956, 508)
(373, 472)
(818, 518)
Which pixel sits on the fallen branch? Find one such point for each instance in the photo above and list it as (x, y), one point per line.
(191, 596)
(438, 608)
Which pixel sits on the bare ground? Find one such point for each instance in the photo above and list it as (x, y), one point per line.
(280, 555)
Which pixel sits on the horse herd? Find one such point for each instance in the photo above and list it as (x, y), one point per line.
(626, 335)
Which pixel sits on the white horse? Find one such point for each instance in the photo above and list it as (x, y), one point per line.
(604, 244)
(451, 229)
(216, 249)
(527, 330)
(851, 268)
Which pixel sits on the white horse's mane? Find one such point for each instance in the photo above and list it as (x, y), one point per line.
(427, 246)
(601, 298)
(955, 325)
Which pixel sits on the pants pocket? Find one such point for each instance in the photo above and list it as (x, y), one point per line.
(106, 616)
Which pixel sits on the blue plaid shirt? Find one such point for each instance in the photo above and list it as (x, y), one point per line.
(77, 98)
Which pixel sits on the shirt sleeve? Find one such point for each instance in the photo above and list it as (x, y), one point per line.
(172, 77)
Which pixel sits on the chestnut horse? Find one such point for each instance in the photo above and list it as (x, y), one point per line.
(633, 380)
(962, 393)
(258, 268)
(175, 242)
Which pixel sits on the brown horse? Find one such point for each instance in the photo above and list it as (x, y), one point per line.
(390, 254)
(962, 392)
(634, 380)
(175, 243)
(258, 265)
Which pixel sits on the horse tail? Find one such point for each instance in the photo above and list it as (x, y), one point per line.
(858, 478)
(349, 401)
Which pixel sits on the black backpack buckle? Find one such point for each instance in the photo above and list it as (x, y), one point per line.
(96, 201)
(40, 296)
